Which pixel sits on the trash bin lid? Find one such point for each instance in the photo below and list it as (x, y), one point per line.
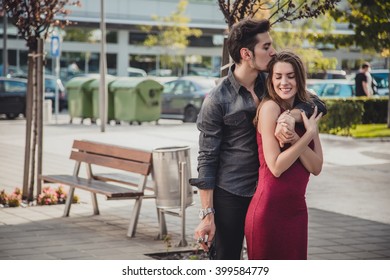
(127, 82)
(96, 82)
(79, 82)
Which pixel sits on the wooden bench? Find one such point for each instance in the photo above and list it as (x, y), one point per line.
(136, 163)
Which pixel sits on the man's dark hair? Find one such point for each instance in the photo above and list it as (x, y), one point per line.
(243, 35)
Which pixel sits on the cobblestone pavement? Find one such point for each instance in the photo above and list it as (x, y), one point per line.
(349, 202)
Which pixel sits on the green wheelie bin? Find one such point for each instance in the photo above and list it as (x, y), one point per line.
(95, 88)
(137, 99)
(80, 98)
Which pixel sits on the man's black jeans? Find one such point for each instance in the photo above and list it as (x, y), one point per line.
(230, 212)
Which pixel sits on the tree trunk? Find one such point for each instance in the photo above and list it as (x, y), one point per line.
(29, 120)
(34, 123)
(225, 59)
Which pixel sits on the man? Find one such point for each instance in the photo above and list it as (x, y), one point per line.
(363, 81)
(228, 160)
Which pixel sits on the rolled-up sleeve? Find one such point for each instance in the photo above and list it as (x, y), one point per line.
(308, 107)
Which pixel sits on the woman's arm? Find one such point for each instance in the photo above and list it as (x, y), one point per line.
(278, 161)
(312, 160)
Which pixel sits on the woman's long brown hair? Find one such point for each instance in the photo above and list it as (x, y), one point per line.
(300, 76)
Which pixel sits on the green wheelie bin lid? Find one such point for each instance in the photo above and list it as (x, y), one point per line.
(137, 99)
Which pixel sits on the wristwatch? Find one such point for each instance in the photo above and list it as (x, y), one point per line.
(204, 212)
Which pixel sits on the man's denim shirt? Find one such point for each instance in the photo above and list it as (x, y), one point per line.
(228, 155)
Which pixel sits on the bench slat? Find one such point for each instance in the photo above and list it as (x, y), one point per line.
(109, 190)
(113, 151)
(132, 166)
(121, 178)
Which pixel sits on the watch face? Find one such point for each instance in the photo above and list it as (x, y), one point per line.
(201, 214)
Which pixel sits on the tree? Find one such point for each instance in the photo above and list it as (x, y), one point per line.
(290, 36)
(172, 33)
(276, 11)
(33, 20)
(369, 19)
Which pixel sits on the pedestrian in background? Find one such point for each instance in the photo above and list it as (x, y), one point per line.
(363, 81)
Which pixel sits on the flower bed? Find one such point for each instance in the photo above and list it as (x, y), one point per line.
(49, 196)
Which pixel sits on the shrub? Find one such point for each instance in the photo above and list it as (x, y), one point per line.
(15, 198)
(3, 198)
(375, 109)
(343, 114)
(47, 197)
(61, 195)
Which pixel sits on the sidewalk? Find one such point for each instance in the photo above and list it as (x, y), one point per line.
(349, 203)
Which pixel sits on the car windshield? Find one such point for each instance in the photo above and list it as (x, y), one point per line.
(13, 86)
(206, 84)
(382, 79)
(50, 83)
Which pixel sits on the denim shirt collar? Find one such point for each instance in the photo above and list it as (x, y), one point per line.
(260, 85)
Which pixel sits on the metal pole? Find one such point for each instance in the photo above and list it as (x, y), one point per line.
(183, 202)
(5, 50)
(57, 100)
(103, 71)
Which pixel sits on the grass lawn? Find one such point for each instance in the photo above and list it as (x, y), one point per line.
(370, 131)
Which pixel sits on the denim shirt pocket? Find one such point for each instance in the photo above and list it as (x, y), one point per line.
(239, 119)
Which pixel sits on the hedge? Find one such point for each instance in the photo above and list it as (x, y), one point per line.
(346, 113)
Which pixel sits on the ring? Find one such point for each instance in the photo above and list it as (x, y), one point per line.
(200, 240)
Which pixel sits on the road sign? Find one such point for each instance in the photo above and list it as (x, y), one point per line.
(55, 46)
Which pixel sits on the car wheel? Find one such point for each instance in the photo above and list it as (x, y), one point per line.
(190, 114)
(11, 116)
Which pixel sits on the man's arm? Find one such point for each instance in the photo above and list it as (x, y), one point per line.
(284, 131)
(210, 124)
(308, 108)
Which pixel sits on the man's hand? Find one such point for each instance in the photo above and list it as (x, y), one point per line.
(284, 131)
(204, 233)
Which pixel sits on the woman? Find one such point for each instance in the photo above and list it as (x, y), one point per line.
(276, 222)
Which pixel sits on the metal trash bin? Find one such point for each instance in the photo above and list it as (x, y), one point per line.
(166, 173)
(171, 170)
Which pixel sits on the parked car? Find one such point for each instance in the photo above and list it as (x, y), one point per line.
(328, 74)
(161, 72)
(50, 92)
(381, 77)
(136, 72)
(183, 97)
(13, 97)
(332, 87)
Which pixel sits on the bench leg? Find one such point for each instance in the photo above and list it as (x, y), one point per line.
(68, 202)
(134, 217)
(95, 204)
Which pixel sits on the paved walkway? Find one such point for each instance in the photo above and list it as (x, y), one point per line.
(349, 203)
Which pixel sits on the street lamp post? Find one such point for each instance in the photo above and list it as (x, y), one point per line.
(103, 71)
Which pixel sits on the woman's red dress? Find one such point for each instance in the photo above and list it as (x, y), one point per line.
(277, 220)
